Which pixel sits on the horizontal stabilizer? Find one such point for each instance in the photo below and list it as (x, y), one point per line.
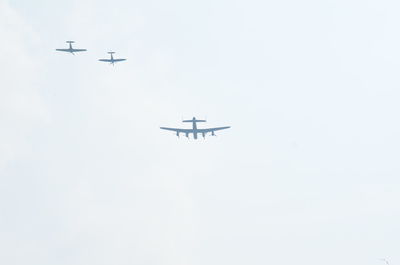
(194, 120)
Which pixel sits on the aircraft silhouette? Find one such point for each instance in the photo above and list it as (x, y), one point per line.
(195, 131)
(112, 60)
(70, 49)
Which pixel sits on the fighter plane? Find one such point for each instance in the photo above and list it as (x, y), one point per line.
(70, 49)
(112, 60)
(195, 131)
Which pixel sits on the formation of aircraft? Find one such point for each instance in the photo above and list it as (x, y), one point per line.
(195, 131)
(70, 49)
(112, 60)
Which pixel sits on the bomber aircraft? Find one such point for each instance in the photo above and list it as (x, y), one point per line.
(195, 131)
(111, 60)
(70, 49)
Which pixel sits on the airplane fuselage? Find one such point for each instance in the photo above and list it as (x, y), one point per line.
(70, 49)
(194, 129)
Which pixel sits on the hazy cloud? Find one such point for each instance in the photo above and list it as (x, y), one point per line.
(308, 173)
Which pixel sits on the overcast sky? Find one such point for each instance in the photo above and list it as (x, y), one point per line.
(308, 173)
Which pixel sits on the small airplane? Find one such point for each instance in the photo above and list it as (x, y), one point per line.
(112, 60)
(70, 49)
(194, 129)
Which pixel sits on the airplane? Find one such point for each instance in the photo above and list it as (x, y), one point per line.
(112, 60)
(194, 129)
(70, 49)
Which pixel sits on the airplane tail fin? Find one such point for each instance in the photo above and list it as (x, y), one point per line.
(194, 120)
(111, 52)
(70, 41)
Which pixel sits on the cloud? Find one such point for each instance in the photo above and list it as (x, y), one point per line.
(88, 178)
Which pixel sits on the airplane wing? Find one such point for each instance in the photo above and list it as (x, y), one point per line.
(212, 129)
(78, 50)
(63, 50)
(105, 60)
(119, 60)
(177, 130)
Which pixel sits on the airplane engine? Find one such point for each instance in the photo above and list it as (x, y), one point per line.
(187, 135)
(204, 135)
(177, 134)
(212, 133)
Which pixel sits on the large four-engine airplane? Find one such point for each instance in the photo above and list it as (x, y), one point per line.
(70, 49)
(195, 131)
(111, 60)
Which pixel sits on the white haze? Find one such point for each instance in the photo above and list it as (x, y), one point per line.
(308, 173)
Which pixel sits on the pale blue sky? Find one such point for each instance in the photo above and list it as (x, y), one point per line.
(308, 173)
